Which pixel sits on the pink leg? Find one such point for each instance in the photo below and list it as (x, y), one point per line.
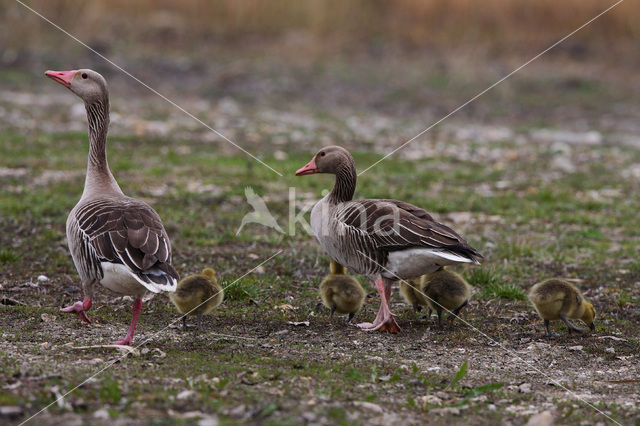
(135, 312)
(384, 320)
(79, 308)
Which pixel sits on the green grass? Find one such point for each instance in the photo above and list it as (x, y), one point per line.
(8, 256)
(492, 285)
(249, 355)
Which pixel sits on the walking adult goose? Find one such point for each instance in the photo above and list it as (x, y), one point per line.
(114, 240)
(385, 240)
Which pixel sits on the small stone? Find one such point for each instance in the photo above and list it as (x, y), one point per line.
(368, 406)
(447, 410)
(524, 388)
(544, 418)
(611, 350)
(575, 348)
(185, 394)
(280, 155)
(158, 353)
(47, 317)
(43, 278)
(101, 414)
(431, 400)
(208, 421)
(10, 410)
(238, 411)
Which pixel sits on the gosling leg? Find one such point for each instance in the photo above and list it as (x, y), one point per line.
(549, 333)
(427, 315)
(350, 317)
(184, 323)
(199, 321)
(333, 309)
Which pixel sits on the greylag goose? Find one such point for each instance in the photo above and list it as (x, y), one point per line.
(114, 240)
(445, 289)
(197, 294)
(557, 299)
(341, 293)
(385, 240)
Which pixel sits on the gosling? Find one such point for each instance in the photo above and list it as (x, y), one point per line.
(197, 294)
(559, 299)
(412, 294)
(445, 289)
(341, 293)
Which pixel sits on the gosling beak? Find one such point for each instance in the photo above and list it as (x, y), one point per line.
(62, 77)
(309, 169)
(592, 326)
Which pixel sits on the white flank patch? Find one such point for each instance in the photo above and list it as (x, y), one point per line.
(412, 263)
(119, 278)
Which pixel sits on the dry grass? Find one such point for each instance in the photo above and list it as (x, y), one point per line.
(503, 25)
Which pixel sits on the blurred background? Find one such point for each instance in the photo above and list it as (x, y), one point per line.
(360, 71)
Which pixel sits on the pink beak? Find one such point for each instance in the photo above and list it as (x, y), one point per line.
(62, 77)
(309, 169)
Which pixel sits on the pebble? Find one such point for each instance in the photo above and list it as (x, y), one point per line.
(611, 350)
(185, 394)
(368, 406)
(10, 410)
(524, 388)
(544, 418)
(43, 278)
(101, 414)
(447, 410)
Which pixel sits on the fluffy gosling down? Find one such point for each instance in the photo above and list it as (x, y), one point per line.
(341, 293)
(197, 294)
(445, 289)
(556, 299)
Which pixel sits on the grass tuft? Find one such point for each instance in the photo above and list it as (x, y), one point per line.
(492, 285)
(8, 256)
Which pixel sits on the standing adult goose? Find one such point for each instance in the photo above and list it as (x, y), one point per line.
(385, 240)
(114, 240)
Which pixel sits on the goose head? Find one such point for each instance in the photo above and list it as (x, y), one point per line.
(87, 84)
(330, 159)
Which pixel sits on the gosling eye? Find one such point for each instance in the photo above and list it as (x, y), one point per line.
(322, 154)
(84, 75)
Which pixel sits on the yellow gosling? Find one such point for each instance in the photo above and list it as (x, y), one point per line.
(557, 299)
(197, 294)
(341, 293)
(445, 289)
(410, 291)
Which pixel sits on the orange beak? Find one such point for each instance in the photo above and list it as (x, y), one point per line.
(309, 169)
(62, 77)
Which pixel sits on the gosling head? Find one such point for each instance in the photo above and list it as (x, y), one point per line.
(210, 273)
(589, 315)
(87, 84)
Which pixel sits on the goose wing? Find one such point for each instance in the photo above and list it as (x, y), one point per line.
(393, 225)
(130, 232)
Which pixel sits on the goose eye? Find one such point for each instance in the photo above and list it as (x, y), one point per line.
(322, 154)
(84, 75)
